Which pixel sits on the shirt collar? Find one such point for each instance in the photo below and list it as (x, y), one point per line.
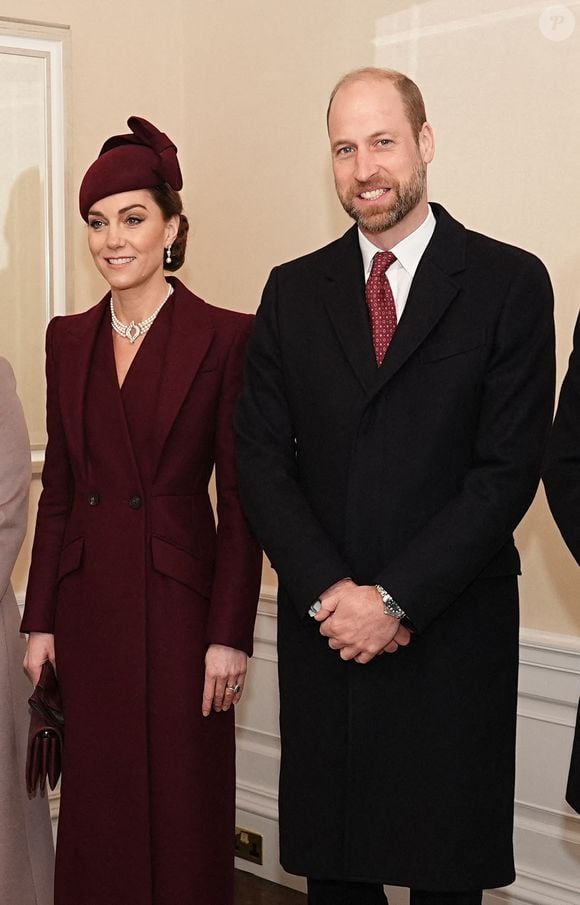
(408, 251)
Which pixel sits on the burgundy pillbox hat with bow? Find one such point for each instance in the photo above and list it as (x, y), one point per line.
(140, 160)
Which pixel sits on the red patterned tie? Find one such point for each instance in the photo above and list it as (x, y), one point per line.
(381, 303)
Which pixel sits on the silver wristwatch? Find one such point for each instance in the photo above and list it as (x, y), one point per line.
(389, 606)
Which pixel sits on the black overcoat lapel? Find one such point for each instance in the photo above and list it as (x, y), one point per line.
(433, 289)
(342, 284)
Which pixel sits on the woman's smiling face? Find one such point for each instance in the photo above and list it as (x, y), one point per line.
(127, 238)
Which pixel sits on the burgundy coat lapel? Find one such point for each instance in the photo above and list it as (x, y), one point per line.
(77, 344)
(189, 340)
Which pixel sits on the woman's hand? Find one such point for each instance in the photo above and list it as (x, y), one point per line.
(39, 649)
(225, 673)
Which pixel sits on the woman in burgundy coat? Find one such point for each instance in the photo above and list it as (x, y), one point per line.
(146, 608)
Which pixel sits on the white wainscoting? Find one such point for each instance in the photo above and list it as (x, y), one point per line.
(547, 831)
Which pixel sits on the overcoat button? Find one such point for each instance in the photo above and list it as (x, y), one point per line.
(135, 502)
(93, 499)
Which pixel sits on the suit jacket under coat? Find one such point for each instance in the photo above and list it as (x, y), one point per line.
(412, 475)
(562, 482)
(131, 575)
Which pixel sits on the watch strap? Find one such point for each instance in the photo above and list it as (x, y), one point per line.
(390, 606)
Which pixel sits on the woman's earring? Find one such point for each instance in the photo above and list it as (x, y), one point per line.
(168, 255)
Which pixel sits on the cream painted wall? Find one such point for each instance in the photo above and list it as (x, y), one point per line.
(242, 87)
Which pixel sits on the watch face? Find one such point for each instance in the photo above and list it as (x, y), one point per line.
(391, 608)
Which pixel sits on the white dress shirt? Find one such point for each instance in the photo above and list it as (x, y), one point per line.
(408, 252)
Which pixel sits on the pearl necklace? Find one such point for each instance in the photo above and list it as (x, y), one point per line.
(133, 331)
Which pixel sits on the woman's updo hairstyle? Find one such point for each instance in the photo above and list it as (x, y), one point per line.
(170, 204)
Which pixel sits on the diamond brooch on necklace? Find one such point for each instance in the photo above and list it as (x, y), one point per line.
(133, 331)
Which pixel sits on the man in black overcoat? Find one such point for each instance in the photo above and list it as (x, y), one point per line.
(562, 483)
(391, 434)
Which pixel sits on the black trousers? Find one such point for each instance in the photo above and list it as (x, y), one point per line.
(350, 892)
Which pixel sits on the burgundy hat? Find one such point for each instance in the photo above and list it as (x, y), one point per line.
(144, 158)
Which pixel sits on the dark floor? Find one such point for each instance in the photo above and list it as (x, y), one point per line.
(252, 890)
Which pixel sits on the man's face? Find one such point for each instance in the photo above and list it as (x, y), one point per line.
(379, 168)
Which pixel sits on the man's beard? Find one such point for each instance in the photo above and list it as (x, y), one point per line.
(404, 197)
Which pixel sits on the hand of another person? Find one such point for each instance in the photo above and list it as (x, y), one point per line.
(358, 626)
(225, 673)
(39, 649)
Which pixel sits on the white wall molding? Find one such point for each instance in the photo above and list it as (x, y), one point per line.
(257, 800)
(546, 829)
(551, 822)
(530, 889)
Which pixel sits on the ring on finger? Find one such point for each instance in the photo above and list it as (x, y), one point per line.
(235, 689)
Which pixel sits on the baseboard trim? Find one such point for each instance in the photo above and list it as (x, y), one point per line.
(530, 889)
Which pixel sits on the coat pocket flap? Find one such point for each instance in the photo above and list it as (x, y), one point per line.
(182, 566)
(453, 346)
(71, 557)
(506, 562)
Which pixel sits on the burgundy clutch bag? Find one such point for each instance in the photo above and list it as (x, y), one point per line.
(46, 733)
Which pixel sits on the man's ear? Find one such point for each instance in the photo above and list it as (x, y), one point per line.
(426, 143)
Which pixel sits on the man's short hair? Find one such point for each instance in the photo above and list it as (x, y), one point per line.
(410, 94)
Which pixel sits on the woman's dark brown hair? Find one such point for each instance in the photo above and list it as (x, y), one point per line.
(170, 203)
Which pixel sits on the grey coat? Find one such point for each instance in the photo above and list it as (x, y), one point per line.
(26, 848)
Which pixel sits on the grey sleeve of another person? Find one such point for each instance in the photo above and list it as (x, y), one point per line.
(562, 466)
(14, 474)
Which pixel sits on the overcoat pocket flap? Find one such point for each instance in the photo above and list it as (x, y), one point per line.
(71, 557)
(505, 562)
(181, 565)
(445, 348)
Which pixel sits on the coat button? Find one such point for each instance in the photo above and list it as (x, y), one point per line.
(93, 499)
(135, 502)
